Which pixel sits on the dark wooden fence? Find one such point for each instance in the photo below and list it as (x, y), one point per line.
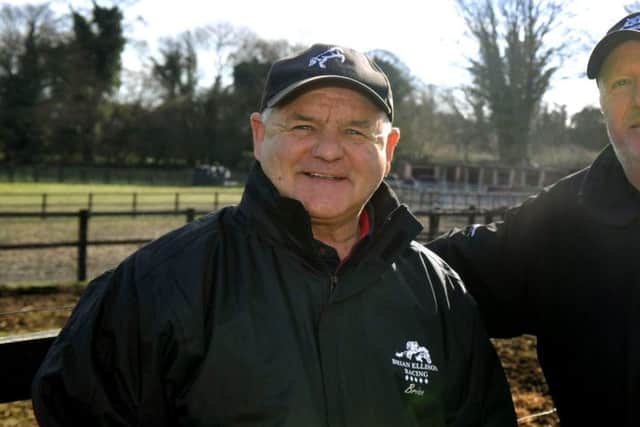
(87, 174)
(83, 216)
(21, 355)
(132, 201)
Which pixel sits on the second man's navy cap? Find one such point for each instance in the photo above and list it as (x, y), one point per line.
(628, 28)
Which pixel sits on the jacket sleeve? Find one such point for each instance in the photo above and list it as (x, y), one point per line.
(488, 393)
(477, 392)
(497, 261)
(97, 372)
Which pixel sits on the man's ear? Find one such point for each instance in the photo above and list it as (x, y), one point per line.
(392, 141)
(257, 130)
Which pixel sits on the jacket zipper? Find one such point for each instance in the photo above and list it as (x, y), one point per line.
(333, 281)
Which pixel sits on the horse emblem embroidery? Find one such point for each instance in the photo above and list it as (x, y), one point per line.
(321, 59)
(416, 352)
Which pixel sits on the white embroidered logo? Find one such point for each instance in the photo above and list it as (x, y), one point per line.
(412, 389)
(414, 349)
(632, 23)
(416, 364)
(333, 53)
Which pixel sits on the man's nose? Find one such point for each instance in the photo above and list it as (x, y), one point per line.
(328, 146)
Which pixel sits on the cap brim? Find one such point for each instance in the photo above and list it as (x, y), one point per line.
(346, 81)
(604, 48)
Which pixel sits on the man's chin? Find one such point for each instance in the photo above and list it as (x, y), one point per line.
(328, 214)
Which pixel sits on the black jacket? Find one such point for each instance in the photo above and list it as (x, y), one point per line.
(564, 266)
(237, 320)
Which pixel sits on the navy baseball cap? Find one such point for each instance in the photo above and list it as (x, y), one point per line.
(327, 63)
(628, 28)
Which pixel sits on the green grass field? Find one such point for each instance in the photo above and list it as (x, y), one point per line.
(37, 188)
(25, 197)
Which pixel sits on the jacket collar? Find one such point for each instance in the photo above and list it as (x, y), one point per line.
(606, 192)
(284, 220)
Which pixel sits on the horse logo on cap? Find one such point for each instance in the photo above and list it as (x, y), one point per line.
(321, 59)
(632, 23)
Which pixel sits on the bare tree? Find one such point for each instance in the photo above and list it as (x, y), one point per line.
(222, 39)
(177, 70)
(515, 62)
(254, 48)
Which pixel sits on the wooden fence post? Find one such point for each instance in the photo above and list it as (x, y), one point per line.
(83, 225)
(434, 225)
(134, 203)
(43, 205)
(191, 214)
(472, 215)
(216, 201)
(176, 202)
(488, 217)
(90, 201)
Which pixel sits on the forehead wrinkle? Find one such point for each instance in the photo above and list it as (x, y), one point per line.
(323, 116)
(299, 116)
(323, 112)
(624, 55)
(362, 122)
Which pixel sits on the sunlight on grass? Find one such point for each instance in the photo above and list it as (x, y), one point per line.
(37, 197)
(46, 187)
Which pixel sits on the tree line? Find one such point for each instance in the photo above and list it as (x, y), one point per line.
(65, 97)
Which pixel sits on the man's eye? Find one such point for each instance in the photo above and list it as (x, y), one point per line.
(621, 83)
(302, 127)
(354, 132)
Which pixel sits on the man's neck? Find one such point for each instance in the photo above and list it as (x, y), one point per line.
(632, 172)
(340, 237)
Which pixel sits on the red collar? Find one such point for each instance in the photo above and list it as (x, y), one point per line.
(365, 226)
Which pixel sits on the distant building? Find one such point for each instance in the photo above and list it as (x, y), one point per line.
(481, 177)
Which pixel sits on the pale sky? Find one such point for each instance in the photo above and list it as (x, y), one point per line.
(427, 35)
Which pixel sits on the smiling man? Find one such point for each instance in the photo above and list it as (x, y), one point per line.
(328, 148)
(309, 304)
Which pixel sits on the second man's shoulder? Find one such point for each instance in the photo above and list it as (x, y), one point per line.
(438, 271)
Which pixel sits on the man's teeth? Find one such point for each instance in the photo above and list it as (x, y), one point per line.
(320, 175)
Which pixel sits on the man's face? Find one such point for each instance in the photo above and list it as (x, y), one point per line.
(619, 86)
(329, 148)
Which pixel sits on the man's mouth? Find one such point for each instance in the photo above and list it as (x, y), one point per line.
(323, 176)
